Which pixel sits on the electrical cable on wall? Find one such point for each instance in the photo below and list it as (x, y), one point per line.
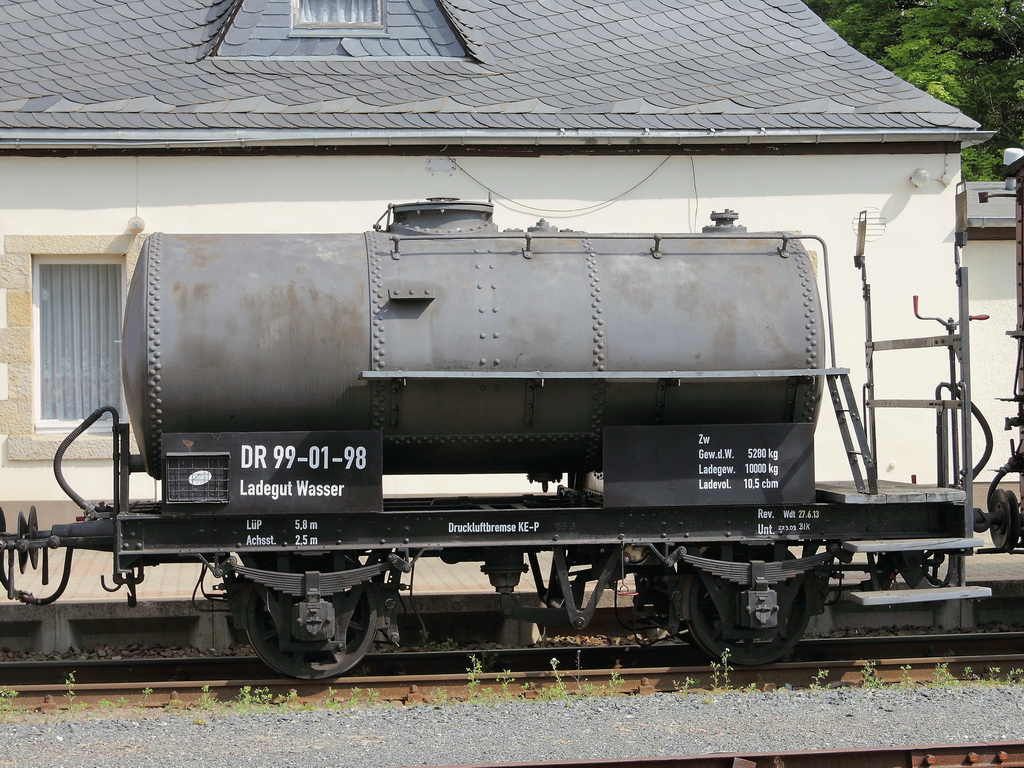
(696, 195)
(567, 211)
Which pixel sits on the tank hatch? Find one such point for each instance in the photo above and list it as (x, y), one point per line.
(442, 216)
(724, 223)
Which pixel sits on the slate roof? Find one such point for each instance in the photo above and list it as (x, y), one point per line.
(168, 72)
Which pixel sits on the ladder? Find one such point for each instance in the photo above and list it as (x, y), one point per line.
(858, 451)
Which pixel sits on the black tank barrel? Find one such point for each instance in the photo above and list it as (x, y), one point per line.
(471, 349)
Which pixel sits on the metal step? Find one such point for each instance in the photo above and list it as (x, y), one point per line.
(918, 343)
(898, 596)
(936, 404)
(911, 545)
(887, 491)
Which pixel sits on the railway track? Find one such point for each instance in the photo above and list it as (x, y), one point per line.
(1001, 755)
(454, 662)
(527, 673)
(515, 659)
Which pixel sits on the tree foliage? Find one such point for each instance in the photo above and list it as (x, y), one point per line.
(968, 53)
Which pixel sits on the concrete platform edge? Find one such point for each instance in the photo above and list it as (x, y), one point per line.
(175, 622)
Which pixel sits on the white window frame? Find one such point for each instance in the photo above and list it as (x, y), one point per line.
(62, 426)
(333, 28)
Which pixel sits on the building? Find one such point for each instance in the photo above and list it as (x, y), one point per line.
(120, 119)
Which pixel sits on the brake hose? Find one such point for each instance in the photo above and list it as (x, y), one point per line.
(58, 457)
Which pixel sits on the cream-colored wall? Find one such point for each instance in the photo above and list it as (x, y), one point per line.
(810, 194)
(991, 270)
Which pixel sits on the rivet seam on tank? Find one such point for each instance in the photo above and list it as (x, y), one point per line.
(599, 350)
(811, 395)
(487, 305)
(155, 406)
(374, 246)
(599, 354)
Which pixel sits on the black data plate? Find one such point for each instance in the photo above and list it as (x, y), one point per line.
(281, 472)
(713, 464)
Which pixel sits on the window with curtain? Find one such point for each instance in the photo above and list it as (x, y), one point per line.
(337, 13)
(78, 309)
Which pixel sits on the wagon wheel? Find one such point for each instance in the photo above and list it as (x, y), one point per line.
(312, 661)
(706, 626)
(1005, 513)
(3, 550)
(33, 529)
(22, 533)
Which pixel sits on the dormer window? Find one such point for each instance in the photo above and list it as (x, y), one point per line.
(337, 14)
(365, 29)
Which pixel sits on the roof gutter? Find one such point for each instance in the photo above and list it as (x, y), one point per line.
(988, 222)
(197, 139)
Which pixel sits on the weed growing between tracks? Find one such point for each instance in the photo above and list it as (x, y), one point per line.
(7, 697)
(820, 680)
(941, 677)
(720, 673)
(356, 698)
(70, 696)
(478, 694)
(560, 690)
(488, 689)
(869, 678)
(720, 680)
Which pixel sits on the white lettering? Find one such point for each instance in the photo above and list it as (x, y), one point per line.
(254, 457)
(715, 469)
(721, 453)
(306, 488)
(270, 490)
(486, 527)
(260, 541)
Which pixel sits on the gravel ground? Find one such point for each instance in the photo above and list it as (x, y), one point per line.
(659, 725)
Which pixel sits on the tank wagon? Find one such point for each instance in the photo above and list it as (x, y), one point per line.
(662, 390)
